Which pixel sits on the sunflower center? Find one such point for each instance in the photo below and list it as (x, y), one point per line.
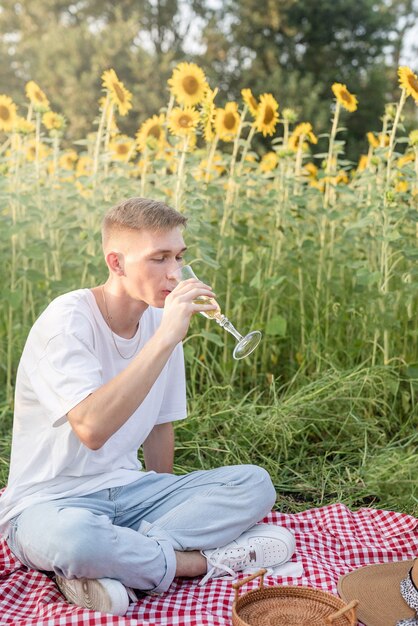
(123, 148)
(4, 113)
(184, 121)
(119, 92)
(346, 96)
(190, 85)
(268, 115)
(155, 131)
(229, 121)
(38, 95)
(413, 81)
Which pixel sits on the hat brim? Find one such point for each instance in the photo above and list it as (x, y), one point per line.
(377, 589)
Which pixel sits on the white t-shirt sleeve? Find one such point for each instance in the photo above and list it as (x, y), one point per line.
(66, 374)
(173, 406)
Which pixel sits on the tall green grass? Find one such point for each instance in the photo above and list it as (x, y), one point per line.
(328, 402)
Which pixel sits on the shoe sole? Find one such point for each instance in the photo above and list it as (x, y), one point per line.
(274, 532)
(89, 593)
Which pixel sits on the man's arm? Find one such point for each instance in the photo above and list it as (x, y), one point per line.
(159, 449)
(96, 418)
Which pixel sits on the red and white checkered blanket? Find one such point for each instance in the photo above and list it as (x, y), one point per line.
(331, 541)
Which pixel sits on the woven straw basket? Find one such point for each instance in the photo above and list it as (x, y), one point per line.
(289, 606)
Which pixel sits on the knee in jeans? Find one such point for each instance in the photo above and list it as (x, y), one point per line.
(262, 488)
(75, 547)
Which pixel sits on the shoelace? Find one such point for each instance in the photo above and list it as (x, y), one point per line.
(131, 594)
(238, 562)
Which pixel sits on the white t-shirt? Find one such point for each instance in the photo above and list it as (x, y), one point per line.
(69, 354)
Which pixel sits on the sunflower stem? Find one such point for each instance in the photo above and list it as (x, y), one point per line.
(144, 171)
(99, 137)
(37, 144)
(211, 157)
(180, 175)
(324, 219)
(245, 149)
(109, 120)
(385, 267)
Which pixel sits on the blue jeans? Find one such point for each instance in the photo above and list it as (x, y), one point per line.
(130, 533)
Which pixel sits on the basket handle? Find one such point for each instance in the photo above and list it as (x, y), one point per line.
(349, 607)
(237, 586)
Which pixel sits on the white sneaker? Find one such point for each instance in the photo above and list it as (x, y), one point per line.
(99, 594)
(263, 545)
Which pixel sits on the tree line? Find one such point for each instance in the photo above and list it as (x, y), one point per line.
(294, 49)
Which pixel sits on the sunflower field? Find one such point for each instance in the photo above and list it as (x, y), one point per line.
(317, 252)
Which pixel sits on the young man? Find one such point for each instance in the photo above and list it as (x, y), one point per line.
(102, 374)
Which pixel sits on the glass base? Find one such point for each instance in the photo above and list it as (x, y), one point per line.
(247, 345)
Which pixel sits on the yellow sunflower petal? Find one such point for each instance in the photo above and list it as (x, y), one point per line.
(23, 126)
(68, 160)
(53, 121)
(408, 81)
(151, 134)
(269, 161)
(37, 97)
(119, 95)
(121, 148)
(188, 84)
(344, 97)
(8, 113)
(250, 101)
(227, 121)
(183, 122)
(267, 114)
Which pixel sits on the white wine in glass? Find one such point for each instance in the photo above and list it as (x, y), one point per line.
(245, 344)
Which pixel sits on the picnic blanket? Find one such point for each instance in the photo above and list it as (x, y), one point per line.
(330, 541)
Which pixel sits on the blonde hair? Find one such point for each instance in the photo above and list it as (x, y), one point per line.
(140, 214)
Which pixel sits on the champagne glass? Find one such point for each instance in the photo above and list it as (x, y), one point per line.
(245, 344)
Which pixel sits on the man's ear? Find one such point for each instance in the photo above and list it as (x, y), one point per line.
(115, 263)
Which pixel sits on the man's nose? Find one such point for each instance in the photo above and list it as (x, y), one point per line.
(173, 268)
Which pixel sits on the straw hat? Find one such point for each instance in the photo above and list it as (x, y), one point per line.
(377, 588)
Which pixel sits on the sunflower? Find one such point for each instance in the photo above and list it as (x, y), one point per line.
(207, 114)
(227, 121)
(363, 163)
(250, 101)
(267, 115)
(311, 169)
(408, 81)
(269, 162)
(151, 134)
(7, 113)
(183, 122)
(53, 121)
(289, 115)
(119, 95)
(216, 168)
(373, 140)
(413, 137)
(121, 148)
(68, 159)
(401, 186)
(304, 131)
(23, 126)
(43, 150)
(37, 97)
(342, 178)
(409, 157)
(344, 97)
(84, 166)
(188, 84)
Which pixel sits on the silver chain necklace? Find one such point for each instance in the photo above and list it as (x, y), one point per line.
(111, 331)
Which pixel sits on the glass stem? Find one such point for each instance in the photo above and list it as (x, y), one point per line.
(224, 322)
